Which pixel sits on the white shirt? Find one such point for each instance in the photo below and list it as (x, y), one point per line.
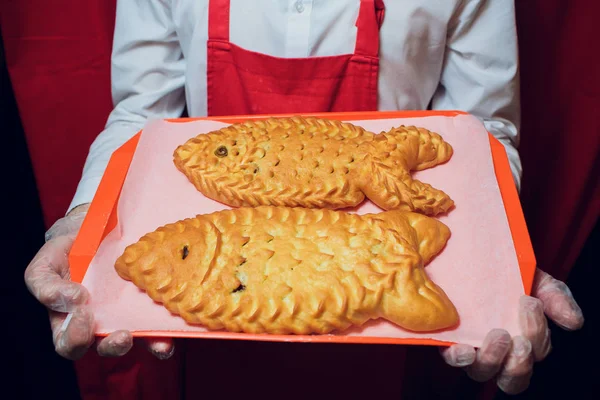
(438, 54)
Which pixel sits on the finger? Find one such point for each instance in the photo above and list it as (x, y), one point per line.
(73, 333)
(68, 226)
(59, 295)
(116, 344)
(55, 253)
(47, 276)
(490, 356)
(516, 374)
(162, 348)
(534, 326)
(559, 304)
(459, 355)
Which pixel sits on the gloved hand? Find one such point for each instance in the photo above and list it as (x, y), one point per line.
(510, 360)
(48, 278)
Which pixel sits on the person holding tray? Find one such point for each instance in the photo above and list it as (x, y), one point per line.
(221, 57)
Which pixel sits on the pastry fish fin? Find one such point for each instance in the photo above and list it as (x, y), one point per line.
(394, 189)
(426, 234)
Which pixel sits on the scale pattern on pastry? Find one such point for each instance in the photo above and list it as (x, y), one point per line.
(283, 270)
(315, 163)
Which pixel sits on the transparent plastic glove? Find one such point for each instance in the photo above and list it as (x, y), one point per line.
(48, 279)
(510, 360)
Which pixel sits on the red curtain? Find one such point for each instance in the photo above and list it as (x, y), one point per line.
(560, 144)
(58, 58)
(58, 55)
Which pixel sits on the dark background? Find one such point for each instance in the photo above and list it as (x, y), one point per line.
(32, 370)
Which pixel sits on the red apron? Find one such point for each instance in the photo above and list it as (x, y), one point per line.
(242, 82)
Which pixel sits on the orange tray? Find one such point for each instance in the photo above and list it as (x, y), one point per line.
(102, 218)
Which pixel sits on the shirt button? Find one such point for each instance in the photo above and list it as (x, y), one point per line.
(299, 6)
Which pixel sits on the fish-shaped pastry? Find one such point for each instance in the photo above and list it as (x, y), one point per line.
(315, 163)
(283, 270)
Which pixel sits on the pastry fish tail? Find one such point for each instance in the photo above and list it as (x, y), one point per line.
(416, 303)
(421, 147)
(386, 178)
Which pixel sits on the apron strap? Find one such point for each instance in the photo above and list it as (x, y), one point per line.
(368, 23)
(218, 20)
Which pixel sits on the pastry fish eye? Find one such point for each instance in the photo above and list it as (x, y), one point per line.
(221, 151)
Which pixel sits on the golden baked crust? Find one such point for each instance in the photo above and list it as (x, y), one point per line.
(315, 163)
(294, 270)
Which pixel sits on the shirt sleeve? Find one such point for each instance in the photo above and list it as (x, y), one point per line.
(147, 74)
(480, 73)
